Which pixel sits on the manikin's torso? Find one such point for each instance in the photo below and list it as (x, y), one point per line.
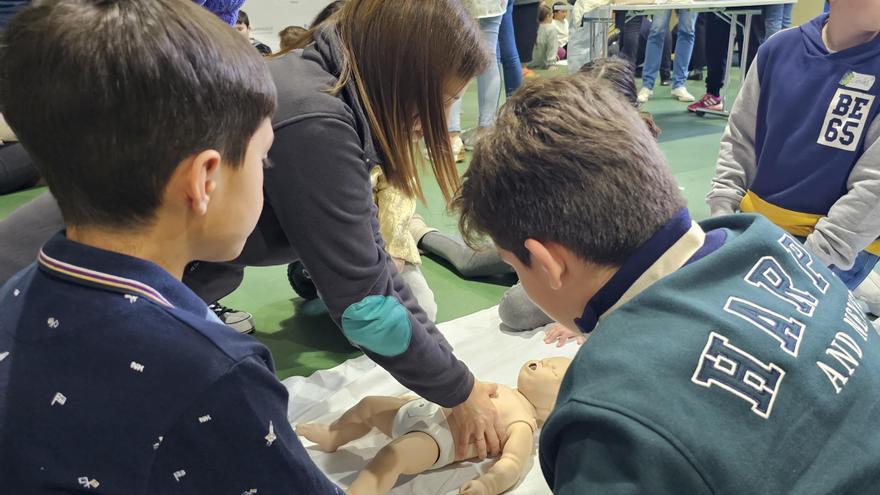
(512, 408)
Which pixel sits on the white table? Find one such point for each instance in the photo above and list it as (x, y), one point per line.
(729, 10)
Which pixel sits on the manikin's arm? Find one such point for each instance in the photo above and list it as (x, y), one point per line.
(509, 468)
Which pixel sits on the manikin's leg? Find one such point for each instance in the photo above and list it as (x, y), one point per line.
(412, 453)
(370, 412)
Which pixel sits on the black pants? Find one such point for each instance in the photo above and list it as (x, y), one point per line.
(17, 170)
(634, 38)
(717, 36)
(698, 58)
(525, 29)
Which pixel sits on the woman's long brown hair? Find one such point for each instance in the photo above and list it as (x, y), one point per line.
(405, 57)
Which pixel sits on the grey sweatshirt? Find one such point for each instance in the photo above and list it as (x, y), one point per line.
(320, 209)
(803, 138)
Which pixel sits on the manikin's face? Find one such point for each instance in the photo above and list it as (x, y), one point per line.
(539, 381)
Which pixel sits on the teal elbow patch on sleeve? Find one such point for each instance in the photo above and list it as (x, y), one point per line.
(379, 324)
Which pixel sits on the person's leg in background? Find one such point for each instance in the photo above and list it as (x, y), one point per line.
(773, 19)
(654, 53)
(508, 55)
(489, 82)
(467, 262)
(644, 32)
(666, 61)
(698, 58)
(525, 30)
(717, 37)
(454, 128)
(518, 313)
(786, 15)
(684, 47)
(629, 35)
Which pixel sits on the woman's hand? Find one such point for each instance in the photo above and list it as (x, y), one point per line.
(478, 423)
(561, 335)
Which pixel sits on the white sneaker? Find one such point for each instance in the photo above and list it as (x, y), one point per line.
(868, 294)
(681, 94)
(645, 94)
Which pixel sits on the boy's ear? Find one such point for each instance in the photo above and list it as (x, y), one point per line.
(549, 259)
(201, 175)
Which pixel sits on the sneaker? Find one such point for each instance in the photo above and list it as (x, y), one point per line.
(645, 94)
(301, 281)
(868, 294)
(665, 82)
(418, 228)
(707, 102)
(681, 94)
(458, 150)
(240, 321)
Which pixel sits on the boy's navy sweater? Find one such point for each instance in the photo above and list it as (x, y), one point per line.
(116, 378)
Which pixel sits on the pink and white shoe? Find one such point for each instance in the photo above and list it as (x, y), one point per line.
(707, 102)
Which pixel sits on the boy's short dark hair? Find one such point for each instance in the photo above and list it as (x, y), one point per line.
(109, 96)
(568, 161)
(243, 19)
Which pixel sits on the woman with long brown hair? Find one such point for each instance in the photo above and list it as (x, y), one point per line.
(376, 79)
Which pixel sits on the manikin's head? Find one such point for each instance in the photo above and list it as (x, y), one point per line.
(539, 382)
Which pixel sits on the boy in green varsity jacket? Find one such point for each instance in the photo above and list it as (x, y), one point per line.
(724, 358)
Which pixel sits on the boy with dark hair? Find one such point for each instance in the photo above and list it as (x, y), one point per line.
(150, 122)
(806, 153)
(243, 26)
(723, 358)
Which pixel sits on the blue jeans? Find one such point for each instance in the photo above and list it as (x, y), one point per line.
(776, 18)
(488, 83)
(684, 47)
(865, 262)
(508, 56)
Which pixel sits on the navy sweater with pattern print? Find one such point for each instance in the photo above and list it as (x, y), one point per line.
(115, 378)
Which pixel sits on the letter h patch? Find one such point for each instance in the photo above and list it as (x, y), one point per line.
(740, 373)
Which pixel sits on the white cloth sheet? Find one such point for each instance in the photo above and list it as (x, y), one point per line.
(491, 354)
